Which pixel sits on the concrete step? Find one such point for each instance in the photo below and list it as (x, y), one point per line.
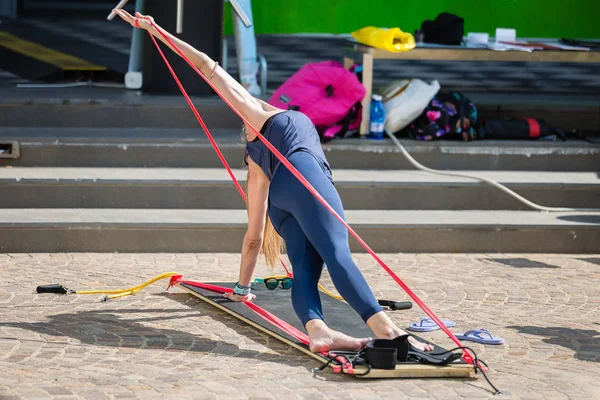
(99, 107)
(189, 188)
(129, 230)
(173, 148)
(109, 108)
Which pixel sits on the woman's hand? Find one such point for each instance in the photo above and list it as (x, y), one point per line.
(237, 297)
(139, 21)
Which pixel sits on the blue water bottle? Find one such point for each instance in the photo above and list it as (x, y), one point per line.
(377, 118)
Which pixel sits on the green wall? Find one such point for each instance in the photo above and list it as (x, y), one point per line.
(531, 18)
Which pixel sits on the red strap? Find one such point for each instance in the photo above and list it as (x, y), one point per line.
(534, 127)
(284, 326)
(466, 356)
(278, 322)
(201, 121)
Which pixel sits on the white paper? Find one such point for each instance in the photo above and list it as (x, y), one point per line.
(506, 35)
(478, 38)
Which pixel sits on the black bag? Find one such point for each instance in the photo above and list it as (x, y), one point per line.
(447, 29)
(520, 128)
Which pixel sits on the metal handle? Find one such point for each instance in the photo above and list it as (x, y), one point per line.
(179, 29)
(241, 13)
(118, 7)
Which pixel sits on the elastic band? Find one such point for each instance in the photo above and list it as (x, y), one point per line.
(137, 23)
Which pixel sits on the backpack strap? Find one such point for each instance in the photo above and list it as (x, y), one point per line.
(341, 128)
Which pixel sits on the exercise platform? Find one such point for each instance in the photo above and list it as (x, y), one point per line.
(339, 316)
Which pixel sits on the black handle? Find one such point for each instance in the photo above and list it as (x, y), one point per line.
(53, 288)
(396, 305)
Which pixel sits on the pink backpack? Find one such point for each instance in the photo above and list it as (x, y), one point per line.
(328, 94)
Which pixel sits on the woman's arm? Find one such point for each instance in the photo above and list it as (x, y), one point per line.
(231, 89)
(258, 190)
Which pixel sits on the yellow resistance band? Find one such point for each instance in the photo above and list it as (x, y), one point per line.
(126, 292)
(115, 293)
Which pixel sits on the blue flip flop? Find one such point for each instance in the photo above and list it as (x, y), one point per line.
(480, 336)
(428, 325)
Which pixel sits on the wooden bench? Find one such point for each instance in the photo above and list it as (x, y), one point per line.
(455, 53)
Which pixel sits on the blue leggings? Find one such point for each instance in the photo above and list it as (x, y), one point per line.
(312, 236)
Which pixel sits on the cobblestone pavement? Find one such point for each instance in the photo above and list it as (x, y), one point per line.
(160, 344)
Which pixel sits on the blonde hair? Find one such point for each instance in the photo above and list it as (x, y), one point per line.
(272, 243)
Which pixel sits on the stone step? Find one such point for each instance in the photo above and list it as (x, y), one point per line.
(191, 188)
(109, 108)
(131, 230)
(100, 107)
(189, 148)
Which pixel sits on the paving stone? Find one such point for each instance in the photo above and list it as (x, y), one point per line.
(160, 344)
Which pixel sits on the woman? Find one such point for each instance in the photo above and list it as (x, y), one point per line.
(313, 236)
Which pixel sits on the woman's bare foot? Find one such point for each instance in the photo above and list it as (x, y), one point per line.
(322, 338)
(383, 327)
(419, 345)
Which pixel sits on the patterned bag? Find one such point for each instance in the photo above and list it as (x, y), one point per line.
(448, 115)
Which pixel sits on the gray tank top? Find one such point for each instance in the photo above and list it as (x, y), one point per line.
(288, 132)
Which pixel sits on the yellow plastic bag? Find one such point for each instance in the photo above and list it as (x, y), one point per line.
(392, 39)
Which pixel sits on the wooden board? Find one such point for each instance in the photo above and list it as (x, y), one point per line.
(474, 54)
(338, 315)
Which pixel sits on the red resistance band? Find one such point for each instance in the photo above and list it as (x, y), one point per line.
(298, 335)
(467, 357)
(266, 315)
(200, 120)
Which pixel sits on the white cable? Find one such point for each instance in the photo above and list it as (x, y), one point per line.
(488, 181)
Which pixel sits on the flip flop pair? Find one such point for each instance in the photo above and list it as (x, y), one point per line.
(480, 336)
(428, 325)
(476, 335)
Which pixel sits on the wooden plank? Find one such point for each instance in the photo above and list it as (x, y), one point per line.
(470, 54)
(348, 62)
(404, 370)
(417, 371)
(367, 81)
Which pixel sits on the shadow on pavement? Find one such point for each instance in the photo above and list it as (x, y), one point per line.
(112, 328)
(592, 260)
(519, 262)
(585, 342)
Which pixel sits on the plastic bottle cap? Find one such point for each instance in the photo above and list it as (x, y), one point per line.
(377, 97)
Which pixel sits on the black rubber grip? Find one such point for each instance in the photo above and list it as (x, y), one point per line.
(396, 305)
(53, 288)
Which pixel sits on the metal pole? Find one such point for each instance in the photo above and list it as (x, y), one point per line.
(118, 7)
(245, 43)
(134, 77)
(239, 10)
(179, 29)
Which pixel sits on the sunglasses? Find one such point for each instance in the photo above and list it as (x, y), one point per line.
(272, 282)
